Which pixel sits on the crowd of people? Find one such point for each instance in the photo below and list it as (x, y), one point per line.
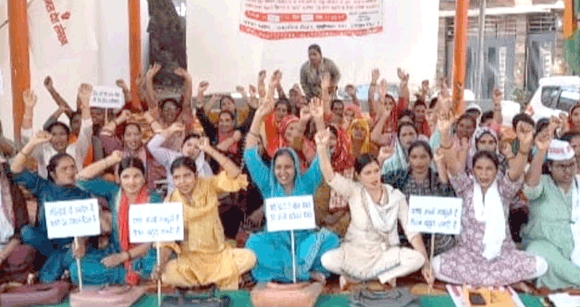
(221, 159)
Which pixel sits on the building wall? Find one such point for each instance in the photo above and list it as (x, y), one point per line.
(521, 34)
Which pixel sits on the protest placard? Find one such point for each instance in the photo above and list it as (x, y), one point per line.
(290, 213)
(107, 97)
(156, 222)
(435, 214)
(75, 218)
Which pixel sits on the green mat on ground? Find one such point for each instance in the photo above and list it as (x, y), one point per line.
(242, 299)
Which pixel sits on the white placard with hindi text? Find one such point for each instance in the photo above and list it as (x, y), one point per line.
(75, 218)
(156, 222)
(430, 214)
(107, 97)
(290, 213)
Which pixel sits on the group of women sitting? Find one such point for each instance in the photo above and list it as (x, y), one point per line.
(361, 182)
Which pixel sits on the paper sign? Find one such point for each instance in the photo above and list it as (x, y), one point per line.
(156, 222)
(435, 214)
(290, 213)
(107, 97)
(75, 218)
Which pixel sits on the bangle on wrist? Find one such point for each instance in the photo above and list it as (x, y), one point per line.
(128, 255)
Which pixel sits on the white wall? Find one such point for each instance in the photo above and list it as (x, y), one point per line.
(219, 53)
(102, 67)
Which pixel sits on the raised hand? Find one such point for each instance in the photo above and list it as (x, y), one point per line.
(29, 98)
(204, 144)
(526, 135)
(383, 88)
(322, 137)
(265, 109)
(85, 92)
(543, 142)
(123, 117)
(241, 90)
(386, 152)
(41, 137)
(252, 89)
(305, 112)
(262, 76)
(262, 83)
(116, 156)
(316, 108)
(48, 82)
(275, 79)
(152, 71)
(202, 87)
(375, 75)
(182, 72)
(403, 76)
(121, 83)
(445, 121)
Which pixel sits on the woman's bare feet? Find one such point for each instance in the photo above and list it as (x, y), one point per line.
(346, 282)
(319, 277)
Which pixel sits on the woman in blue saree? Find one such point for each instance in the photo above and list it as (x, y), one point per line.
(120, 262)
(60, 186)
(283, 178)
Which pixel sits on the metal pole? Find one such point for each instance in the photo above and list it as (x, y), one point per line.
(480, 52)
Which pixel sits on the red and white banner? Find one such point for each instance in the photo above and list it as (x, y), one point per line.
(287, 19)
(59, 30)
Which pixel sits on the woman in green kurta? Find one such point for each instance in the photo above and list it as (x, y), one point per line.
(553, 197)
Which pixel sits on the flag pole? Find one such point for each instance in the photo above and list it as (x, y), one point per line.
(459, 54)
(135, 48)
(19, 59)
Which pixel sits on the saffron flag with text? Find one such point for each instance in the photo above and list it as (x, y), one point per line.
(59, 30)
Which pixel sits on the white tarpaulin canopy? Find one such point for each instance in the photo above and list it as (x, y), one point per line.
(218, 52)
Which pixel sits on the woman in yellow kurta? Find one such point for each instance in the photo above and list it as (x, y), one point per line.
(203, 257)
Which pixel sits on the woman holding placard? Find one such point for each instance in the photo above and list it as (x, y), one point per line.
(283, 178)
(420, 179)
(121, 261)
(370, 248)
(60, 186)
(203, 255)
(485, 253)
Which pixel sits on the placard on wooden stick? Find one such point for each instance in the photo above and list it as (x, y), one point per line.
(75, 218)
(107, 97)
(156, 222)
(429, 214)
(290, 213)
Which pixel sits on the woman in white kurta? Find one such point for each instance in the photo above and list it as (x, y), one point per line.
(370, 249)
